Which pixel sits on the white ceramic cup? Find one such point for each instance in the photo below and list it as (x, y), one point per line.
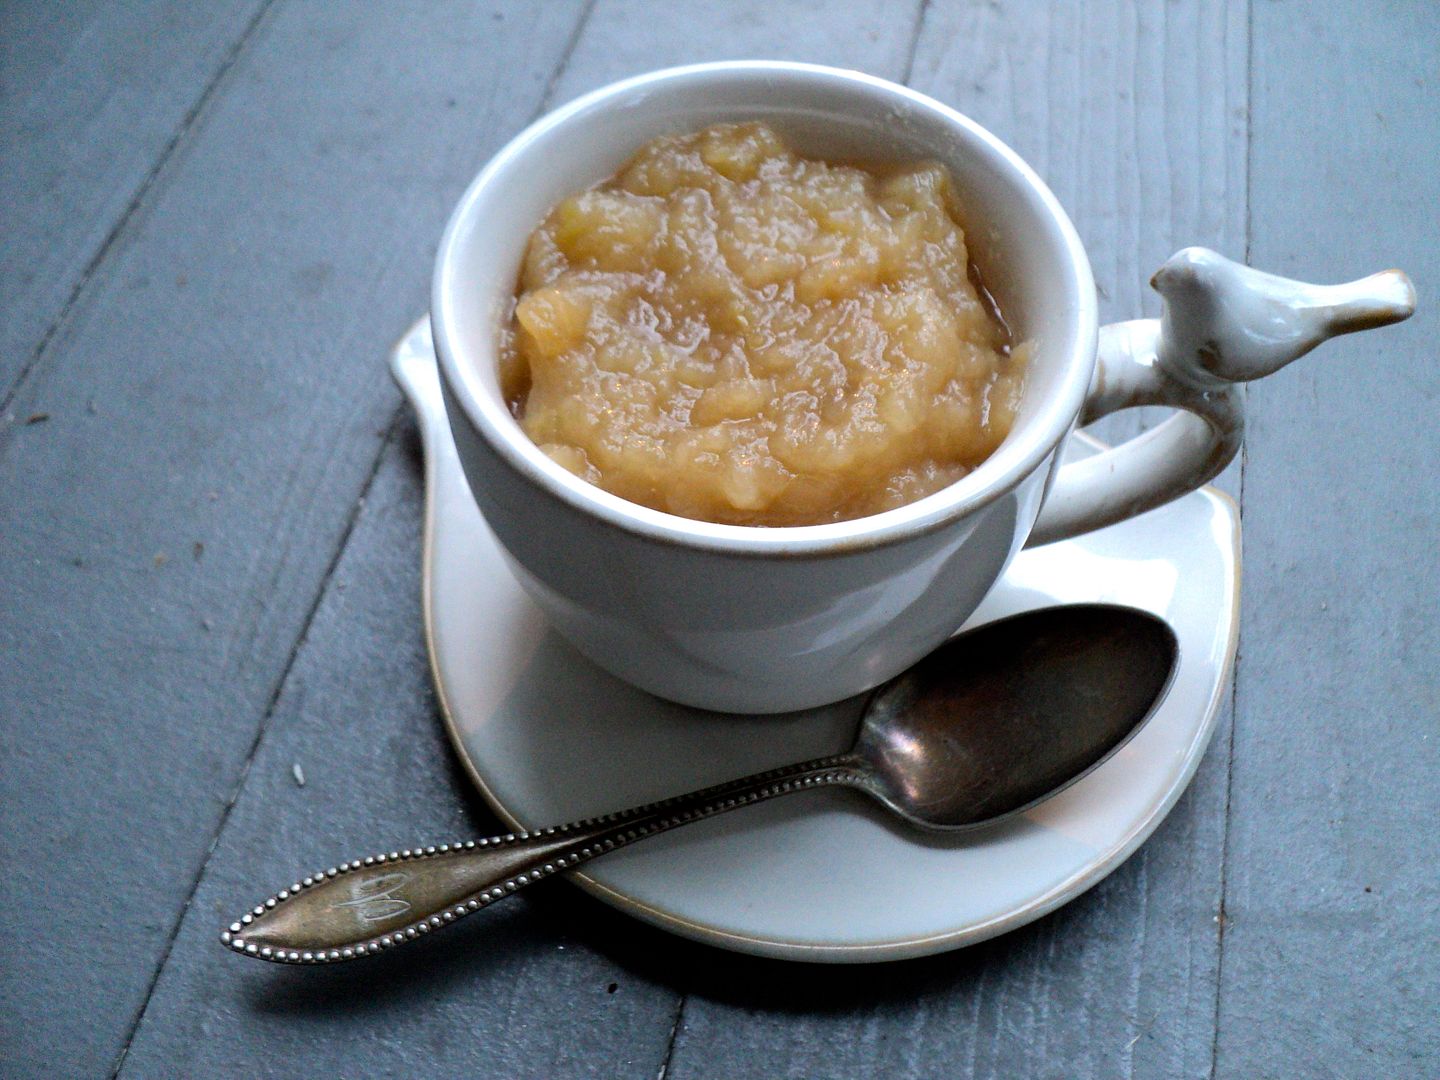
(747, 619)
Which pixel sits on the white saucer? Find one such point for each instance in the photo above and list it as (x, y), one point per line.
(823, 875)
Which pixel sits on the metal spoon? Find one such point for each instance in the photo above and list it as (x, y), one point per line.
(988, 725)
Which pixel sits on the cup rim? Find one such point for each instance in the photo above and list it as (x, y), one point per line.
(1006, 467)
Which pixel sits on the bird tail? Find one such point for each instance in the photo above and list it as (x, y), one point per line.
(1377, 300)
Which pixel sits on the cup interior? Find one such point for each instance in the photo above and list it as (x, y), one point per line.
(1025, 246)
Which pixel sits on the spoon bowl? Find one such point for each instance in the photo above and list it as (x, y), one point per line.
(988, 725)
(1005, 716)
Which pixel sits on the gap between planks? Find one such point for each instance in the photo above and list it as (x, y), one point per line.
(1220, 915)
(187, 123)
(322, 586)
(356, 509)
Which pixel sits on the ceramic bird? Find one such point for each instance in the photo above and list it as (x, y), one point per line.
(1226, 321)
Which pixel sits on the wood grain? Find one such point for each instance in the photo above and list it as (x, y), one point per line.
(217, 400)
(1333, 899)
(93, 99)
(627, 37)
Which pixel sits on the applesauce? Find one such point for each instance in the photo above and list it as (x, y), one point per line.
(730, 332)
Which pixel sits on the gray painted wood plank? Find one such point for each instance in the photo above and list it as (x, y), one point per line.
(518, 990)
(627, 37)
(1134, 114)
(92, 98)
(1136, 118)
(219, 383)
(1332, 896)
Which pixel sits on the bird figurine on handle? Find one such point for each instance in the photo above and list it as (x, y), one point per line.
(1232, 323)
(1224, 324)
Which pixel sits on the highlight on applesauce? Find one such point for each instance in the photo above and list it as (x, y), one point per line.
(731, 332)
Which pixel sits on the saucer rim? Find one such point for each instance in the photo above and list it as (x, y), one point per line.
(1092, 873)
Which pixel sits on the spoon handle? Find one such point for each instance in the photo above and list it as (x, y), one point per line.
(363, 907)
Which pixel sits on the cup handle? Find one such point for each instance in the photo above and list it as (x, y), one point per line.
(1223, 324)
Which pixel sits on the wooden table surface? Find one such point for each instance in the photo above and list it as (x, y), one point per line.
(218, 218)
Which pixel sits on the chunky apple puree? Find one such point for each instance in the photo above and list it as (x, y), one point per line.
(730, 332)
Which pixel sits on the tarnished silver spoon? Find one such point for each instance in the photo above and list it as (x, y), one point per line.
(988, 725)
